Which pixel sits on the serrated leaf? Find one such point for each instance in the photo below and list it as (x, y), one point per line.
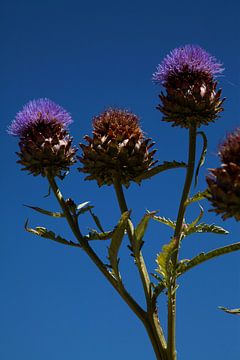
(165, 221)
(164, 259)
(206, 228)
(116, 241)
(48, 234)
(167, 165)
(46, 212)
(230, 311)
(200, 195)
(141, 228)
(94, 235)
(203, 155)
(203, 257)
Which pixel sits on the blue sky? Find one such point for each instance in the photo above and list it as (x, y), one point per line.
(87, 56)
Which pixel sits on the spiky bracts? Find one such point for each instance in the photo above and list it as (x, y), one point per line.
(45, 145)
(117, 148)
(191, 96)
(224, 182)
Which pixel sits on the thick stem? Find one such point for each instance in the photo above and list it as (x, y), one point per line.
(152, 323)
(177, 236)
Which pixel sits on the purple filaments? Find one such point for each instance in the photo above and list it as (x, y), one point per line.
(35, 110)
(189, 58)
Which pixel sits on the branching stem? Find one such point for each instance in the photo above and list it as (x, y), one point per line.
(152, 323)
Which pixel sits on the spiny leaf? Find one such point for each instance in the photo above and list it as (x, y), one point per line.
(46, 212)
(203, 155)
(43, 232)
(206, 228)
(116, 241)
(165, 221)
(200, 195)
(202, 257)
(141, 228)
(167, 165)
(164, 259)
(94, 235)
(230, 311)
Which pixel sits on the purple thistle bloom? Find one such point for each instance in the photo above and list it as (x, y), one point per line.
(35, 110)
(187, 59)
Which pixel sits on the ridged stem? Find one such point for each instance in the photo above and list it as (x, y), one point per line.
(177, 236)
(151, 322)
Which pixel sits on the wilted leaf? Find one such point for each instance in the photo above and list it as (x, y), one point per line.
(203, 155)
(46, 212)
(43, 232)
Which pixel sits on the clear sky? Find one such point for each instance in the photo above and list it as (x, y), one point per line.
(87, 56)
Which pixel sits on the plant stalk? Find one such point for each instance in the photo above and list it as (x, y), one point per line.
(151, 323)
(177, 236)
(135, 307)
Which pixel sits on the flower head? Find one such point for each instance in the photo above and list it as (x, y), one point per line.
(45, 145)
(38, 110)
(187, 59)
(224, 182)
(191, 97)
(117, 148)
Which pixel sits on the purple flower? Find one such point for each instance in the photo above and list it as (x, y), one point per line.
(43, 110)
(186, 59)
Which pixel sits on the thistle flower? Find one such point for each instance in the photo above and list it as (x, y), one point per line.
(191, 96)
(117, 148)
(224, 182)
(45, 145)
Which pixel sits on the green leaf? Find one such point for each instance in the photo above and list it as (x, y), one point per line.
(165, 221)
(196, 221)
(203, 155)
(97, 221)
(116, 241)
(46, 212)
(230, 311)
(187, 265)
(167, 165)
(206, 228)
(200, 195)
(43, 232)
(164, 259)
(94, 235)
(141, 229)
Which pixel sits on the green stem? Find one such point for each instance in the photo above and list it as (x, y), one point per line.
(177, 235)
(152, 321)
(135, 307)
